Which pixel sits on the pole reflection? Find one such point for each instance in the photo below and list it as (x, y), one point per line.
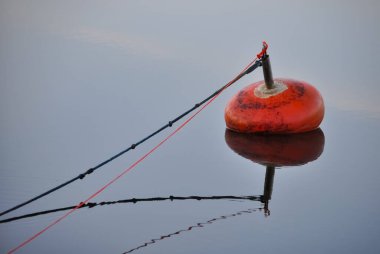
(273, 151)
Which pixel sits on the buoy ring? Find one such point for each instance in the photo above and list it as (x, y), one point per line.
(290, 106)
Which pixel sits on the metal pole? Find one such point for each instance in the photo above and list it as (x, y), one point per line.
(267, 71)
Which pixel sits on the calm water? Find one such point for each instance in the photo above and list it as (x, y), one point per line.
(80, 81)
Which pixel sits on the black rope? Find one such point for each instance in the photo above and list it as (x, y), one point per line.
(133, 146)
(134, 201)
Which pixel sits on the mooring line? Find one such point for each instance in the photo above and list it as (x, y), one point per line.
(249, 68)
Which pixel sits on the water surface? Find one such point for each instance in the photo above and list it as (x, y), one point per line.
(80, 81)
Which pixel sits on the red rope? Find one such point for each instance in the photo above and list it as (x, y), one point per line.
(129, 168)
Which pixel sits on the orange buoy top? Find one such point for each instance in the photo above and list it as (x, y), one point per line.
(289, 106)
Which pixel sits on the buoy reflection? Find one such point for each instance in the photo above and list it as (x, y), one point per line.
(276, 151)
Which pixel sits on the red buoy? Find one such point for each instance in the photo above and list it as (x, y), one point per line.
(275, 106)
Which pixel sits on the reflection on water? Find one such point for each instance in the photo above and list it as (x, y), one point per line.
(269, 150)
(198, 225)
(276, 151)
(134, 201)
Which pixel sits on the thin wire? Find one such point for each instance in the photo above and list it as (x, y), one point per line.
(212, 98)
